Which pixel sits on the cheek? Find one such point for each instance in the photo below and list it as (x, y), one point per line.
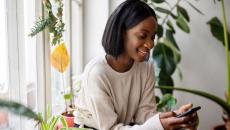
(132, 46)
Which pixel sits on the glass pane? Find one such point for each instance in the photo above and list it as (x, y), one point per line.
(4, 90)
(30, 60)
(59, 81)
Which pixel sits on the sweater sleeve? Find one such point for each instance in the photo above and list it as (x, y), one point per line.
(100, 105)
(147, 105)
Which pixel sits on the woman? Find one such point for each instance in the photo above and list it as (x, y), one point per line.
(118, 88)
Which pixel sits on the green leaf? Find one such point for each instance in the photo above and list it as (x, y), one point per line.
(194, 7)
(180, 73)
(48, 113)
(19, 109)
(167, 102)
(68, 96)
(170, 25)
(54, 122)
(162, 10)
(183, 11)
(160, 31)
(182, 24)
(170, 37)
(63, 121)
(163, 56)
(217, 30)
(209, 96)
(165, 79)
(157, 99)
(158, 1)
(173, 47)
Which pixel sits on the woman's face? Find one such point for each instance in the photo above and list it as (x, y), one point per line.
(139, 40)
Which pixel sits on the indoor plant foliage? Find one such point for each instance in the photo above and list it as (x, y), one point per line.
(166, 53)
(50, 123)
(219, 31)
(59, 57)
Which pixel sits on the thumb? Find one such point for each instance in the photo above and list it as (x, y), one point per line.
(185, 107)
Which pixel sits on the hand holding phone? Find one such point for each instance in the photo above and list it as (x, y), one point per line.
(190, 111)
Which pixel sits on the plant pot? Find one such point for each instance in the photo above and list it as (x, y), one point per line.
(69, 119)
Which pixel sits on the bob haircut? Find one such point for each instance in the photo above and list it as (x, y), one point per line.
(126, 15)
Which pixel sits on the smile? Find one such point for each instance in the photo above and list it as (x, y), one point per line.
(143, 52)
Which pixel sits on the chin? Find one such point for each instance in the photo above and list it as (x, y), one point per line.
(139, 59)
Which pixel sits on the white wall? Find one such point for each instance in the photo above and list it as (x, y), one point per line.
(203, 61)
(95, 14)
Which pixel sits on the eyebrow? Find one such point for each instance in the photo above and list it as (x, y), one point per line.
(154, 33)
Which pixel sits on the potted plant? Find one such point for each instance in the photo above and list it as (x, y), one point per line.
(59, 57)
(44, 124)
(219, 31)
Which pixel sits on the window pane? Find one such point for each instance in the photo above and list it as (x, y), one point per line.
(59, 81)
(4, 90)
(30, 60)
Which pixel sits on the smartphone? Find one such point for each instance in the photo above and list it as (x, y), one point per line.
(190, 111)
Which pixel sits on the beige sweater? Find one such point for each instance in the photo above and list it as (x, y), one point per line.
(110, 100)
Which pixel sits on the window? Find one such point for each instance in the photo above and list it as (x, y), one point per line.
(73, 41)
(4, 89)
(18, 66)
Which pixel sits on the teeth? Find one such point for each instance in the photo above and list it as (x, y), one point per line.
(143, 52)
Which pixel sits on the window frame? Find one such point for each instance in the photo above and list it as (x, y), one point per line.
(16, 58)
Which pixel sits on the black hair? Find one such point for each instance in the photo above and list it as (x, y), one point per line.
(126, 15)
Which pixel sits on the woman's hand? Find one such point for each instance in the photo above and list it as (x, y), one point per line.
(170, 122)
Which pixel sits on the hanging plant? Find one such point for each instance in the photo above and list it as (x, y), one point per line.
(52, 22)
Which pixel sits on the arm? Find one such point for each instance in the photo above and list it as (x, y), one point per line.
(147, 107)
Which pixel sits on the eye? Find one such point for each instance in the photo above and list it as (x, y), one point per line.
(153, 37)
(142, 36)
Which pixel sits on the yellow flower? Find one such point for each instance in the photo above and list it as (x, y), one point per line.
(60, 58)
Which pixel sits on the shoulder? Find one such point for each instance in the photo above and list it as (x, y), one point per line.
(95, 68)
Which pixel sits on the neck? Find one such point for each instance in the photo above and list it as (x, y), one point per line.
(122, 64)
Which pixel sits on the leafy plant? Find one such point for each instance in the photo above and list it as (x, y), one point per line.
(166, 54)
(219, 31)
(166, 103)
(19, 109)
(50, 123)
(59, 57)
(53, 22)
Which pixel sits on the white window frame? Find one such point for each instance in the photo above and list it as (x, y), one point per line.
(15, 39)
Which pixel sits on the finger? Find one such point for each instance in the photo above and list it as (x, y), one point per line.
(180, 126)
(177, 121)
(167, 114)
(185, 107)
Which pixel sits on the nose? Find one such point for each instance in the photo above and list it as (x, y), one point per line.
(149, 44)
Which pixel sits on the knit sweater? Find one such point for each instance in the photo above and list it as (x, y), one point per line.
(110, 100)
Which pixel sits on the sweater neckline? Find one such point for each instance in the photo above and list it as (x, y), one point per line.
(116, 72)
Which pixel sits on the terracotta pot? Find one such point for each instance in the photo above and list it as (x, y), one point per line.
(69, 120)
